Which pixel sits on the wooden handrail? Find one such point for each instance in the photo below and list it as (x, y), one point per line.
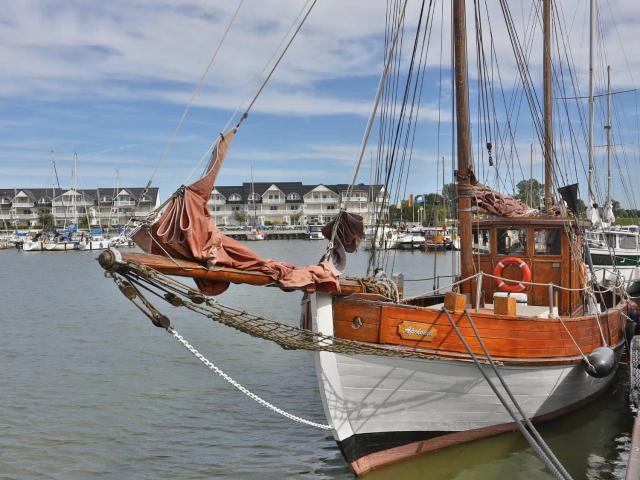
(113, 260)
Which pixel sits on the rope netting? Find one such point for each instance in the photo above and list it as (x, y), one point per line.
(135, 280)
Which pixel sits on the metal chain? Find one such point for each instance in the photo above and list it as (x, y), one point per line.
(239, 387)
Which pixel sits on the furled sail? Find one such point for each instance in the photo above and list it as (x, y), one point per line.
(185, 230)
(492, 202)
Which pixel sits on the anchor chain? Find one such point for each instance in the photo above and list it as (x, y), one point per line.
(270, 406)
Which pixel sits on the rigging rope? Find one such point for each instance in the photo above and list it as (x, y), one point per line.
(192, 98)
(134, 278)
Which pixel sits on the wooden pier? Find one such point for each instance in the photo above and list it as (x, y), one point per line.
(272, 234)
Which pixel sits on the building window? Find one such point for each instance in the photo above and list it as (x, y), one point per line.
(235, 208)
(331, 207)
(254, 197)
(512, 241)
(293, 196)
(234, 197)
(547, 241)
(293, 207)
(273, 207)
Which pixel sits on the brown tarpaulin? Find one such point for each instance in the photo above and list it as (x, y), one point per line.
(185, 230)
(496, 203)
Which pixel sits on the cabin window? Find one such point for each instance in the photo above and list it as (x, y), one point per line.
(481, 242)
(627, 241)
(547, 241)
(512, 241)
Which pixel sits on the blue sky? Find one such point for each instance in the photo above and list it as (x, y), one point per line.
(110, 81)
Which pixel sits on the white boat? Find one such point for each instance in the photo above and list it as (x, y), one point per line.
(61, 246)
(255, 234)
(615, 254)
(33, 246)
(384, 238)
(314, 232)
(410, 241)
(93, 243)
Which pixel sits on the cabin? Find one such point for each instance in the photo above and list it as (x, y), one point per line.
(548, 246)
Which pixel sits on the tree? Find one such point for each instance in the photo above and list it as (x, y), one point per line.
(450, 194)
(618, 211)
(83, 222)
(295, 218)
(45, 220)
(530, 192)
(240, 217)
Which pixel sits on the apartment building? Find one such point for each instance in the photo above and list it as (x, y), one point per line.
(26, 207)
(292, 203)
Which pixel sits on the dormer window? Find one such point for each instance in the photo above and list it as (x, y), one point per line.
(254, 197)
(293, 196)
(106, 199)
(145, 198)
(235, 197)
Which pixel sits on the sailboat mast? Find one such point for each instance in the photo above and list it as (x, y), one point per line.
(547, 69)
(609, 204)
(75, 208)
(463, 130)
(592, 19)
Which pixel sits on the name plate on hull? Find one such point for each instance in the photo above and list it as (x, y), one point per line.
(417, 331)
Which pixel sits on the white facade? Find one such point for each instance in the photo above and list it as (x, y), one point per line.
(292, 203)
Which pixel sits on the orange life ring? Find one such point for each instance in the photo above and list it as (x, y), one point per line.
(512, 287)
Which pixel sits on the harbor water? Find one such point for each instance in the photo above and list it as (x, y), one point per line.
(90, 389)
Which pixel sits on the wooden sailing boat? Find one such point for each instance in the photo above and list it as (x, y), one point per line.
(424, 390)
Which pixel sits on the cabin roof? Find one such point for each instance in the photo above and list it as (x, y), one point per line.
(543, 221)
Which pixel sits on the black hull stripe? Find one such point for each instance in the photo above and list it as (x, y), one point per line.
(363, 444)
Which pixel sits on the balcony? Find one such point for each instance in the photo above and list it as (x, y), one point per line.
(354, 198)
(22, 204)
(320, 211)
(25, 216)
(273, 201)
(124, 203)
(323, 201)
(357, 209)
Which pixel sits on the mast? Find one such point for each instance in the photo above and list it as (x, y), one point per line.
(75, 190)
(592, 211)
(608, 206)
(463, 130)
(548, 108)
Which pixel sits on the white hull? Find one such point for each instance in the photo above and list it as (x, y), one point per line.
(29, 246)
(60, 247)
(429, 399)
(94, 245)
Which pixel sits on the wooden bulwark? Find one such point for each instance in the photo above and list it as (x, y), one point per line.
(511, 339)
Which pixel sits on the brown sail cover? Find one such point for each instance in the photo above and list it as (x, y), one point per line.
(185, 230)
(496, 203)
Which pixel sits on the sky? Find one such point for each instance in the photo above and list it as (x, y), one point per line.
(110, 81)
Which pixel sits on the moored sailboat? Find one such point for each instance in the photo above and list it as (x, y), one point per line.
(400, 377)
